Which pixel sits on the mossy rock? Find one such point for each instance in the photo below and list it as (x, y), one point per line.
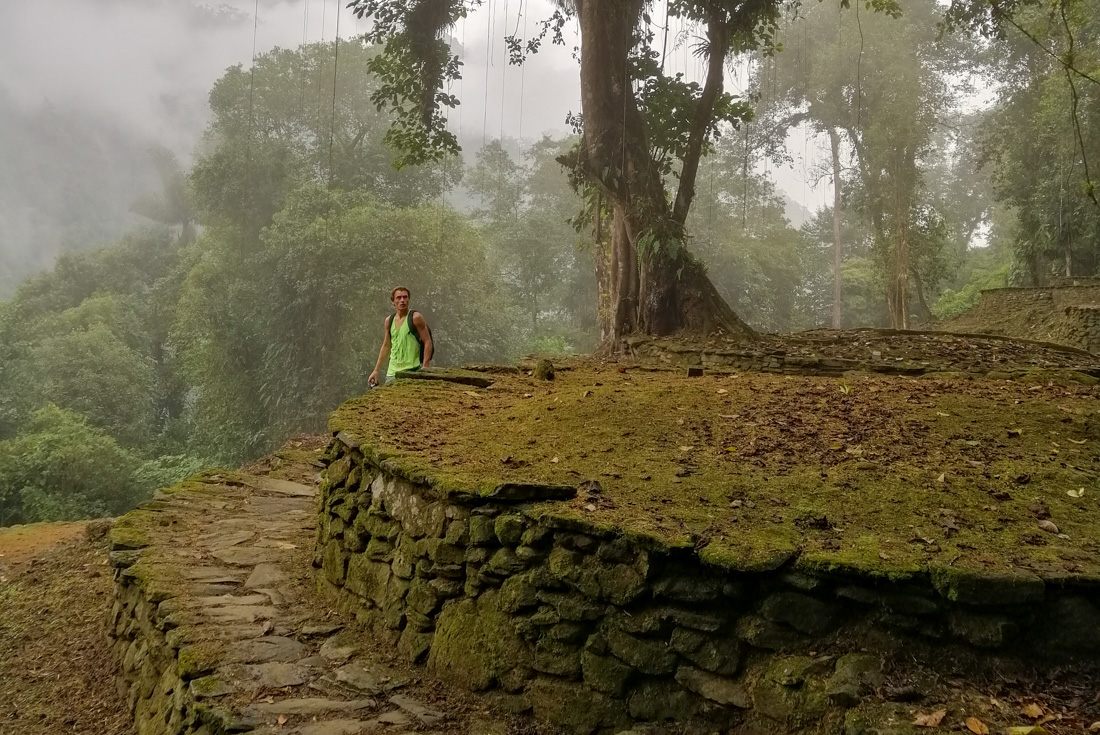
(476, 643)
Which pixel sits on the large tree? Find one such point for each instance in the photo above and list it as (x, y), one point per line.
(644, 131)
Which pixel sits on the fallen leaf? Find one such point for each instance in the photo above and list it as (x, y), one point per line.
(527, 395)
(586, 394)
(1032, 710)
(722, 390)
(1028, 730)
(942, 477)
(1048, 526)
(941, 413)
(471, 393)
(731, 449)
(282, 719)
(554, 460)
(686, 449)
(1078, 493)
(930, 720)
(1095, 727)
(976, 726)
(680, 422)
(1015, 432)
(590, 507)
(1079, 441)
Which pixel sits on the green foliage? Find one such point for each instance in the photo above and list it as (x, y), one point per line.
(276, 127)
(527, 205)
(61, 469)
(757, 261)
(1046, 175)
(956, 302)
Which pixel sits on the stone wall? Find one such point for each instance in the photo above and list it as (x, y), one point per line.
(592, 629)
(1066, 313)
(151, 675)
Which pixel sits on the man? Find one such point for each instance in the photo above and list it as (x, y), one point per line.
(407, 341)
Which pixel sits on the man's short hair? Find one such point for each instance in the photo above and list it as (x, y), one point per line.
(393, 293)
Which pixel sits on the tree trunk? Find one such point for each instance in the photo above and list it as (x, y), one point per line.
(897, 288)
(834, 140)
(601, 260)
(657, 287)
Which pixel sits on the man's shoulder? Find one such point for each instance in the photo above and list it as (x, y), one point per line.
(417, 317)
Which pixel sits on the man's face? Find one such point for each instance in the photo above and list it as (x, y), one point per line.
(401, 300)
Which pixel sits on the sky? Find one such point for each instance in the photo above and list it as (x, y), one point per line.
(147, 65)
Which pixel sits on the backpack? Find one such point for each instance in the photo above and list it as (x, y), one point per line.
(415, 335)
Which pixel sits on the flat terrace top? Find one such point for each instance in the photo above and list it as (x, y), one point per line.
(885, 475)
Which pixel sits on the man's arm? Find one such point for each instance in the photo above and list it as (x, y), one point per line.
(425, 337)
(383, 353)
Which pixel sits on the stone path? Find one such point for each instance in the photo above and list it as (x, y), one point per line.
(218, 629)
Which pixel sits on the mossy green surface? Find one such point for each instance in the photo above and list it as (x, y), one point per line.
(886, 476)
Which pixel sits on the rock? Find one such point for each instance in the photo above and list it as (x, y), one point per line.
(795, 707)
(557, 658)
(426, 715)
(363, 679)
(983, 631)
(647, 655)
(505, 563)
(340, 647)
(309, 706)
(802, 612)
(856, 676)
(263, 650)
(573, 706)
(605, 673)
(657, 701)
(517, 593)
(509, 529)
(572, 606)
(414, 644)
(333, 727)
(719, 656)
(981, 587)
(1072, 626)
(395, 718)
(685, 586)
(715, 688)
(335, 563)
(94, 531)
(208, 687)
(264, 576)
(482, 530)
(544, 370)
(319, 629)
(475, 643)
(761, 633)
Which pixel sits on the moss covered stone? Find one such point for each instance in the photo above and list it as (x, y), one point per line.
(574, 707)
(476, 643)
(650, 656)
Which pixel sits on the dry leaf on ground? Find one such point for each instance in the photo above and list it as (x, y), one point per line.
(976, 726)
(1032, 710)
(930, 720)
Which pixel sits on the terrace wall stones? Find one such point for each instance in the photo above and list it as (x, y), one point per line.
(594, 630)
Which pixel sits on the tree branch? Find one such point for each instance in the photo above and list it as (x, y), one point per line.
(719, 35)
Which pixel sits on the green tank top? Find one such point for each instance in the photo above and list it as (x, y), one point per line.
(404, 349)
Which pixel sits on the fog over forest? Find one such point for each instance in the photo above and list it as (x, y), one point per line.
(87, 86)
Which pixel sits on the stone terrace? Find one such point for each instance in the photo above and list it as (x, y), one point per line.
(217, 631)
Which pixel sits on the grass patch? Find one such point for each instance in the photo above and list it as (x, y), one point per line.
(887, 475)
